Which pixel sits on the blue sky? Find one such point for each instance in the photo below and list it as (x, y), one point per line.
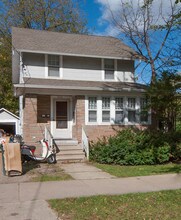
(93, 13)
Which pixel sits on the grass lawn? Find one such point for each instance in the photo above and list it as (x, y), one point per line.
(155, 205)
(51, 177)
(144, 170)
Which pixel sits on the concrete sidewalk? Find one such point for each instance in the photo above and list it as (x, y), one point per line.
(85, 171)
(31, 210)
(21, 192)
(25, 201)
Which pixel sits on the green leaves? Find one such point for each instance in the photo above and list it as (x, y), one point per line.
(141, 148)
(7, 99)
(53, 15)
(165, 99)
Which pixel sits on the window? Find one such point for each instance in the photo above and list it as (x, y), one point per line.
(119, 117)
(92, 108)
(53, 65)
(105, 109)
(109, 69)
(143, 109)
(131, 109)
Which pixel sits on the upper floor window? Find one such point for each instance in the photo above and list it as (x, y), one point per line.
(131, 109)
(92, 108)
(53, 65)
(109, 69)
(119, 116)
(143, 109)
(105, 109)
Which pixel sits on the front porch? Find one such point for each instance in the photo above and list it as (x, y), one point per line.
(63, 117)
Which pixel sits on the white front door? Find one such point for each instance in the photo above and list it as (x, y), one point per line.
(62, 119)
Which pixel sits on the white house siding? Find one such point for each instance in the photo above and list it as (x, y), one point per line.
(82, 68)
(15, 66)
(76, 68)
(34, 64)
(6, 118)
(125, 70)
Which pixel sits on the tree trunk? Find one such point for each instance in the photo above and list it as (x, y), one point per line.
(153, 72)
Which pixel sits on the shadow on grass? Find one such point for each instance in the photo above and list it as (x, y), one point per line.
(175, 168)
(28, 166)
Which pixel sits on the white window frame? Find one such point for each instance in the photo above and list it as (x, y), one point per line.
(60, 67)
(92, 109)
(106, 109)
(103, 70)
(113, 111)
(131, 109)
(119, 110)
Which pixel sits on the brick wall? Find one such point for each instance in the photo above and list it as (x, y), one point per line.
(33, 123)
(94, 132)
(79, 117)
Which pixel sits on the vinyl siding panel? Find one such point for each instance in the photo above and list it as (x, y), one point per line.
(81, 68)
(4, 116)
(15, 67)
(125, 70)
(35, 64)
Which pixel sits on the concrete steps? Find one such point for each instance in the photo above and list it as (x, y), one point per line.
(66, 142)
(70, 151)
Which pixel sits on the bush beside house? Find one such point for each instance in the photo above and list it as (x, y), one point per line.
(134, 147)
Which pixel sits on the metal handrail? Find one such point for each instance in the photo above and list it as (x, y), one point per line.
(51, 142)
(85, 143)
(48, 136)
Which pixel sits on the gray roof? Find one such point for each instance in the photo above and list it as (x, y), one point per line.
(80, 85)
(69, 44)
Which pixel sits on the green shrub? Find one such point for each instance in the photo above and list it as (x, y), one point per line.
(134, 147)
(163, 153)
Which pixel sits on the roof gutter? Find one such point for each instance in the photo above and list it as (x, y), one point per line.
(76, 55)
(75, 88)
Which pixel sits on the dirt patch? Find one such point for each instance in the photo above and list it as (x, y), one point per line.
(33, 171)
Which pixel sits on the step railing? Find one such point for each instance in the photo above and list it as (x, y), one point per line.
(49, 137)
(85, 143)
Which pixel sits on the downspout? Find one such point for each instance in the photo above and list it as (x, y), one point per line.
(21, 97)
(21, 115)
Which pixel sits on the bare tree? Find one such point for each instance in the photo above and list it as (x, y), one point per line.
(149, 29)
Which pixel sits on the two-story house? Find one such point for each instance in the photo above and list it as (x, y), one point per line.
(75, 81)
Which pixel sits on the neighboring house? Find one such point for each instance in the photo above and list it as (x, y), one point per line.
(9, 122)
(74, 81)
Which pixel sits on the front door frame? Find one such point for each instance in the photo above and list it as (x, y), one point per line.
(70, 113)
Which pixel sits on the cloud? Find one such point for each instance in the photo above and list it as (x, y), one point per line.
(161, 9)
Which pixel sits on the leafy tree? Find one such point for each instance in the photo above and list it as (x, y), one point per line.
(51, 15)
(166, 99)
(7, 100)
